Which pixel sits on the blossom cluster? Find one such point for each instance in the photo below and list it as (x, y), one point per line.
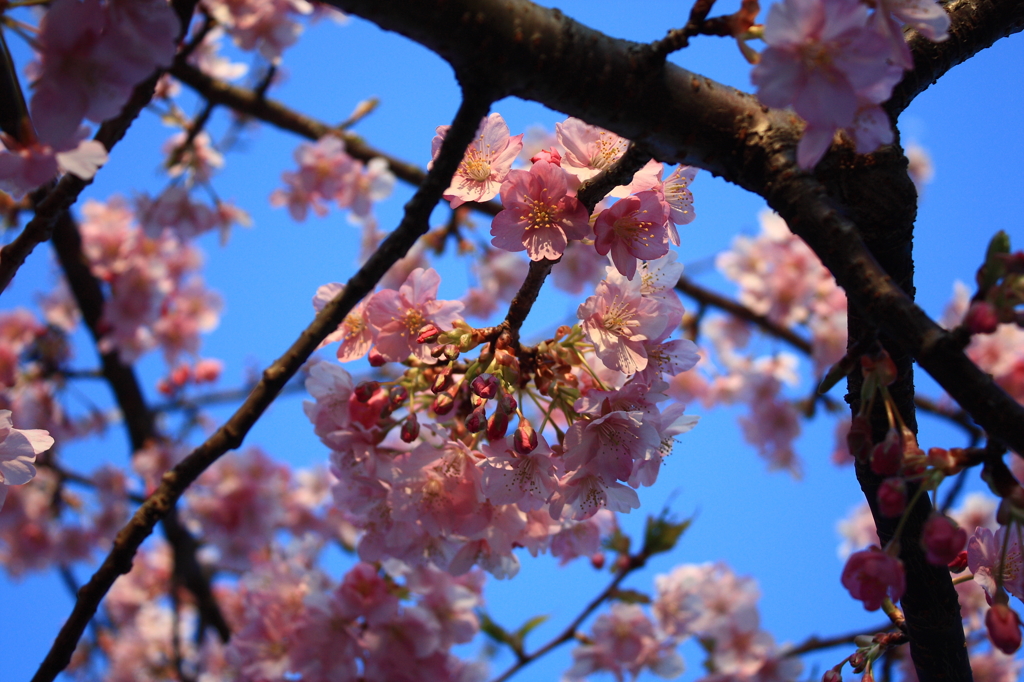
(707, 602)
(326, 173)
(835, 64)
(91, 56)
(427, 468)
(156, 299)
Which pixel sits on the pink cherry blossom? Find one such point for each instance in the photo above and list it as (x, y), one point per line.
(588, 149)
(326, 173)
(398, 316)
(538, 215)
(821, 57)
(632, 228)
(872, 575)
(625, 641)
(266, 25)
(354, 331)
(91, 55)
(618, 320)
(18, 451)
(942, 539)
(487, 162)
(990, 567)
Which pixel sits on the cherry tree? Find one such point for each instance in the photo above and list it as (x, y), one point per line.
(459, 442)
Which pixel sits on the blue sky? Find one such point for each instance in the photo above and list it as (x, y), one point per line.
(779, 530)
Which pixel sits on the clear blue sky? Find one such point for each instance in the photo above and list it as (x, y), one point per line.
(779, 530)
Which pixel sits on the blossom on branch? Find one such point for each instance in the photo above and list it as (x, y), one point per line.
(487, 162)
(18, 451)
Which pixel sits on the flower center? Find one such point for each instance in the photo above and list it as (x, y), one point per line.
(475, 166)
(541, 216)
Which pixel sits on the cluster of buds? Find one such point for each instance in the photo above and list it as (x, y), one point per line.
(1000, 289)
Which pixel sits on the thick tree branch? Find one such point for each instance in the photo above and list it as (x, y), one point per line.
(526, 50)
(230, 436)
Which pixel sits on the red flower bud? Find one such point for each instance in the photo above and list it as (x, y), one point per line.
(959, 564)
(1003, 625)
(497, 426)
(476, 421)
(887, 456)
(485, 386)
(550, 155)
(597, 560)
(832, 675)
(365, 391)
(442, 382)
(525, 439)
(871, 575)
(443, 404)
(397, 396)
(375, 358)
(410, 428)
(942, 539)
(858, 439)
(892, 497)
(428, 333)
(981, 318)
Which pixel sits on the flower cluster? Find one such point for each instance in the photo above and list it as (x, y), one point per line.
(155, 300)
(326, 173)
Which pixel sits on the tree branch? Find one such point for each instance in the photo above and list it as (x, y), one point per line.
(230, 435)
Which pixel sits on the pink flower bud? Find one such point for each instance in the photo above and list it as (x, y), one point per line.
(497, 426)
(942, 539)
(375, 358)
(832, 676)
(208, 371)
(892, 496)
(181, 375)
(410, 428)
(365, 391)
(1003, 625)
(887, 456)
(981, 318)
(959, 564)
(476, 421)
(550, 155)
(597, 560)
(428, 333)
(485, 386)
(870, 575)
(525, 439)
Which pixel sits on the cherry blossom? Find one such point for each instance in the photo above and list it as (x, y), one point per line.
(398, 316)
(632, 228)
(625, 641)
(588, 149)
(618, 320)
(991, 568)
(538, 215)
(18, 451)
(486, 164)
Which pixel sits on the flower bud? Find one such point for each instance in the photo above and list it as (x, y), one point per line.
(375, 358)
(892, 496)
(410, 428)
(476, 421)
(981, 318)
(887, 456)
(858, 439)
(871, 575)
(943, 460)
(1003, 625)
(942, 539)
(485, 386)
(881, 366)
(497, 426)
(597, 560)
(428, 333)
(366, 390)
(832, 675)
(397, 396)
(442, 382)
(959, 564)
(525, 439)
(443, 404)
(450, 352)
(550, 155)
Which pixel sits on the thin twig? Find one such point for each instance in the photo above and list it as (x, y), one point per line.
(815, 643)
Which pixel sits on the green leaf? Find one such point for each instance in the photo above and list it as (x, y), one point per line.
(662, 533)
(528, 626)
(495, 631)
